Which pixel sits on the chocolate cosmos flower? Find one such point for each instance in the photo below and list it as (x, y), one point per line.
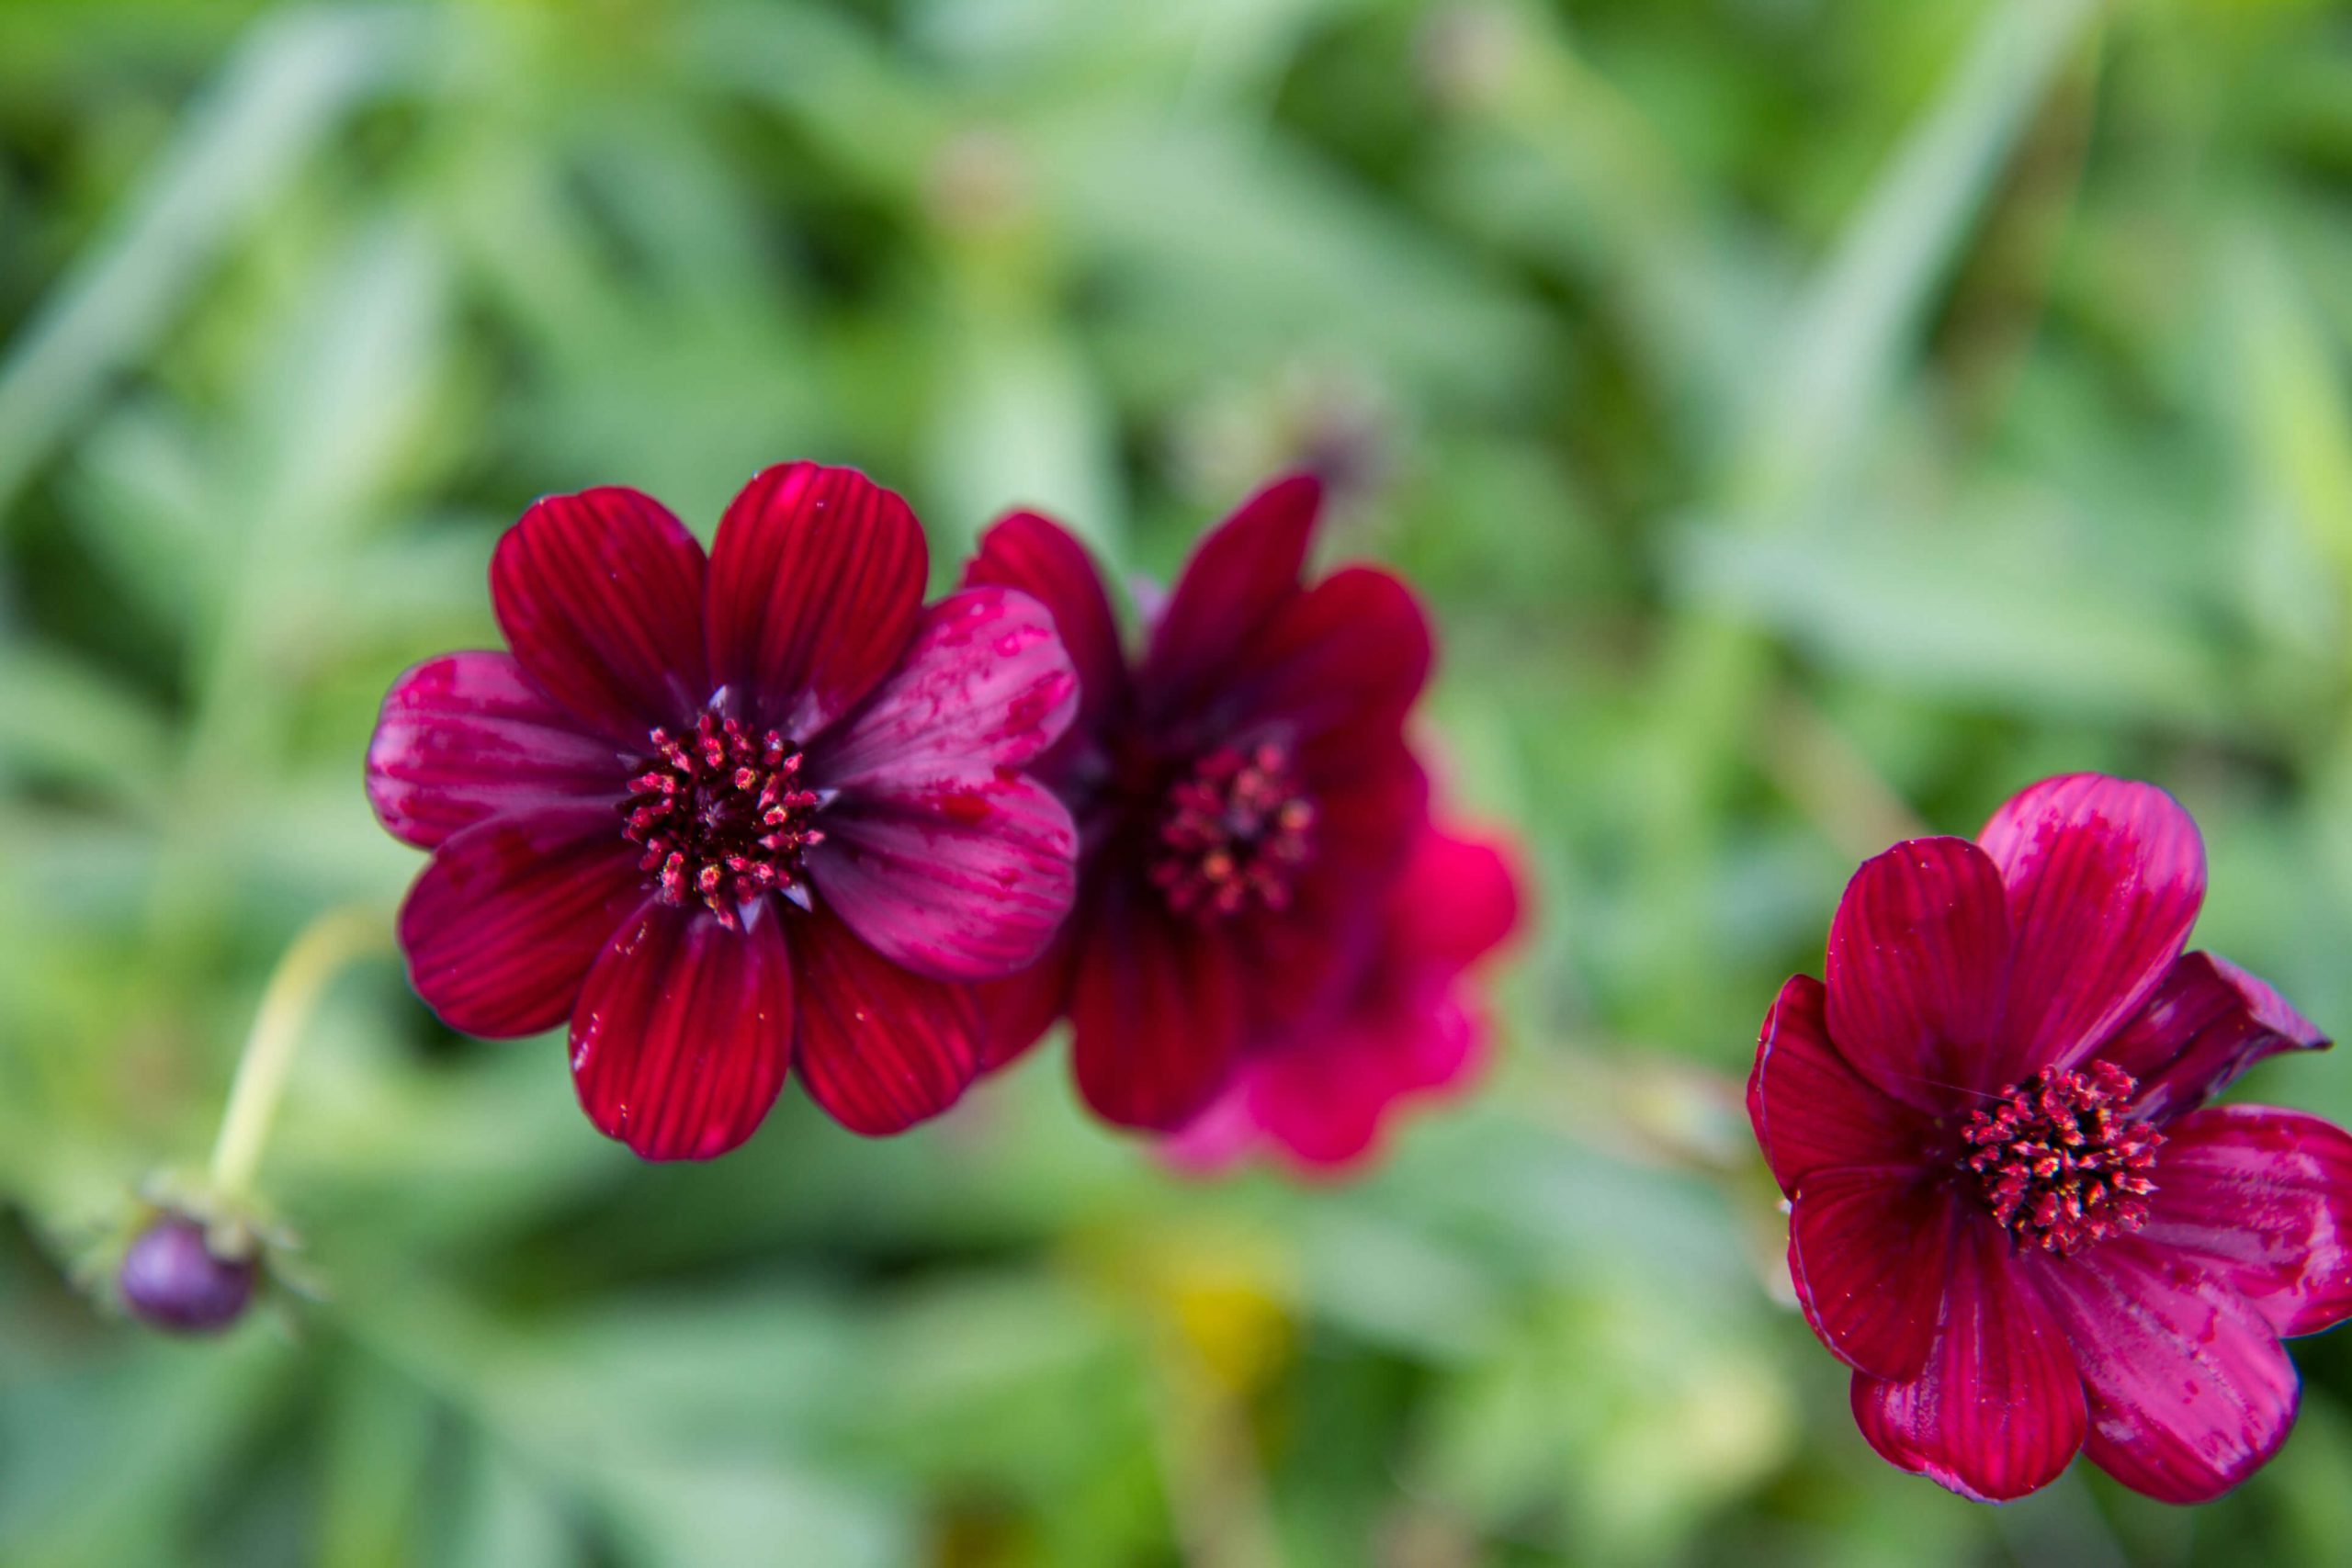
(1244, 797)
(2013, 1211)
(1410, 1026)
(732, 814)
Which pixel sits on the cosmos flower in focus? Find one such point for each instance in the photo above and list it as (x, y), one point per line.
(1411, 1025)
(731, 815)
(1244, 797)
(2013, 1209)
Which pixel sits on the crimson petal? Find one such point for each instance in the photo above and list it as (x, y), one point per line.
(600, 595)
(816, 579)
(683, 1031)
(937, 853)
(2105, 877)
(1156, 1014)
(2208, 1022)
(1239, 575)
(1368, 817)
(467, 735)
(2190, 1391)
(1809, 1108)
(1998, 1410)
(1040, 557)
(1869, 1252)
(1350, 653)
(1017, 1012)
(1457, 900)
(1321, 1103)
(2265, 1196)
(510, 913)
(1919, 954)
(881, 1048)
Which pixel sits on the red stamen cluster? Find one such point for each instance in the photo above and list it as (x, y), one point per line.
(1235, 829)
(2062, 1166)
(722, 816)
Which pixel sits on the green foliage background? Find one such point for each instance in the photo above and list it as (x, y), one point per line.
(1809, 419)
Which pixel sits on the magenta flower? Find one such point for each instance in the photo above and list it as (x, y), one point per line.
(1410, 1026)
(735, 813)
(2013, 1212)
(1243, 792)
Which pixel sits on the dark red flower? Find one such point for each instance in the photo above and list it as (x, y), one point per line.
(735, 813)
(1243, 792)
(1410, 1026)
(2013, 1212)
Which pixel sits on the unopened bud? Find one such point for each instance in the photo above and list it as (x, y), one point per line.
(175, 1280)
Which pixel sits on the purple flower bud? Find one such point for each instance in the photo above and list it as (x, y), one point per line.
(172, 1279)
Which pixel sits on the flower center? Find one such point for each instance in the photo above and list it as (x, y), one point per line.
(722, 816)
(2061, 1165)
(1236, 829)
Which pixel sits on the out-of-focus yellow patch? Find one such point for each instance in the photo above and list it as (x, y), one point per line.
(1227, 1292)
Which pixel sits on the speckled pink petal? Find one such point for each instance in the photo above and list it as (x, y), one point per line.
(2265, 1196)
(2190, 1391)
(938, 851)
(466, 737)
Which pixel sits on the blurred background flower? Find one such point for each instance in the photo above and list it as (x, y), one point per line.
(1803, 418)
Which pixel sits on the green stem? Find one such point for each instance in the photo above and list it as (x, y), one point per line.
(329, 942)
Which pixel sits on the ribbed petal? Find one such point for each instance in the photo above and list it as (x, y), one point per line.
(2190, 1391)
(1017, 1012)
(881, 1048)
(1156, 1014)
(1041, 558)
(937, 852)
(600, 595)
(1350, 653)
(1246, 568)
(2265, 1198)
(1810, 1109)
(1869, 1251)
(1998, 1410)
(2208, 1022)
(2104, 878)
(816, 580)
(683, 1031)
(1919, 958)
(501, 928)
(467, 735)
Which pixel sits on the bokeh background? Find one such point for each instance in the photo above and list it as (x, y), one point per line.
(1808, 419)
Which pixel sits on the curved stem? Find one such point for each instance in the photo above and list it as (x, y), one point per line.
(329, 942)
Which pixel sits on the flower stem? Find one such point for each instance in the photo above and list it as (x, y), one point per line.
(329, 942)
